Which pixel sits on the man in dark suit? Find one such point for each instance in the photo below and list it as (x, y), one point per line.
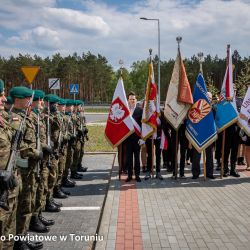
(132, 142)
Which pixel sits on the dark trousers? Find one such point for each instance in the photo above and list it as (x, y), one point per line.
(183, 151)
(218, 147)
(133, 153)
(122, 157)
(209, 162)
(231, 145)
(157, 143)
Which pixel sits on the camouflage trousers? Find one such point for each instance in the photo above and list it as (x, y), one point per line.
(76, 156)
(61, 166)
(69, 160)
(8, 218)
(42, 189)
(52, 178)
(27, 197)
(81, 152)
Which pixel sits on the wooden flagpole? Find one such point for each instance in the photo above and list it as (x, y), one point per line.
(204, 164)
(152, 166)
(176, 154)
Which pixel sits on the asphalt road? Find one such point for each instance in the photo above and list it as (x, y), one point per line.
(95, 117)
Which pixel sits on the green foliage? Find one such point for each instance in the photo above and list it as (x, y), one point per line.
(97, 79)
(243, 79)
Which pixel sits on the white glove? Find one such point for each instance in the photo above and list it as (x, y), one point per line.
(141, 142)
(244, 138)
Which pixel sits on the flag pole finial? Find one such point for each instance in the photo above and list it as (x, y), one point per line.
(150, 54)
(178, 39)
(121, 66)
(201, 60)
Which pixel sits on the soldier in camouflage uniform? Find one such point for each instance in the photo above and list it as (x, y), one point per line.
(55, 125)
(8, 181)
(63, 141)
(66, 182)
(29, 156)
(77, 143)
(38, 222)
(83, 134)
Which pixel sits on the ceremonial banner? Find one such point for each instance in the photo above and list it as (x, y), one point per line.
(244, 116)
(226, 112)
(201, 129)
(119, 123)
(151, 109)
(179, 96)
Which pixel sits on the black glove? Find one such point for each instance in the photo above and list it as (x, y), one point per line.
(47, 149)
(80, 132)
(86, 131)
(7, 180)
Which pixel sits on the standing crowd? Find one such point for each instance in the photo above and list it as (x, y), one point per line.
(236, 150)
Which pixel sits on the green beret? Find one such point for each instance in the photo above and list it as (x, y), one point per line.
(79, 102)
(9, 100)
(21, 92)
(38, 95)
(52, 98)
(69, 102)
(62, 101)
(1, 86)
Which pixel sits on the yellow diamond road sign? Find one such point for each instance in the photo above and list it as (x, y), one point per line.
(30, 72)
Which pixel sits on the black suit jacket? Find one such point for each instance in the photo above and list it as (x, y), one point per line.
(137, 115)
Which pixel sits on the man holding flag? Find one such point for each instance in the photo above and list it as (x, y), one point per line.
(201, 129)
(123, 124)
(226, 117)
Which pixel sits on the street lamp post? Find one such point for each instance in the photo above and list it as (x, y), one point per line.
(159, 53)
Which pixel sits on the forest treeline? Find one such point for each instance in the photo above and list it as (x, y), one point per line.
(97, 79)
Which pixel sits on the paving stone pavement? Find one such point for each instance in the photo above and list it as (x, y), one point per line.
(90, 191)
(185, 213)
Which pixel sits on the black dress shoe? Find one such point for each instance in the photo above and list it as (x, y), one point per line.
(129, 179)
(37, 226)
(45, 221)
(34, 245)
(50, 207)
(68, 183)
(138, 179)
(234, 174)
(210, 177)
(195, 177)
(21, 245)
(59, 194)
(226, 174)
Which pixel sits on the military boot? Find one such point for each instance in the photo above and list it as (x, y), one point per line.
(34, 245)
(51, 207)
(21, 245)
(65, 192)
(37, 226)
(80, 168)
(45, 221)
(67, 183)
(75, 175)
(233, 171)
(57, 193)
(57, 203)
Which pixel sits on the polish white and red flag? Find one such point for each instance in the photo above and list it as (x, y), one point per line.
(151, 109)
(119, 123)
